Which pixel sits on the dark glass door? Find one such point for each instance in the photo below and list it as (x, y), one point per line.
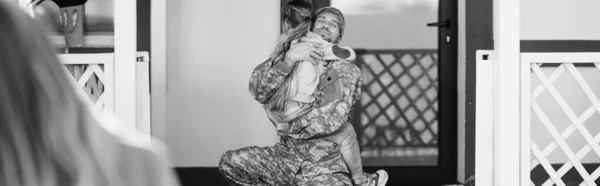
(407, 116)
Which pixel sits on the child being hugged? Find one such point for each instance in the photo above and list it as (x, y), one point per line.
(296, 93)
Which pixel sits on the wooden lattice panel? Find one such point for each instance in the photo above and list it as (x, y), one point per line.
(573, 128)
(397, 114)
(90, 78)
(94, 74)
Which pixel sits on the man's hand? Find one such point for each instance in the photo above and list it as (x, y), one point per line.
(304, 51)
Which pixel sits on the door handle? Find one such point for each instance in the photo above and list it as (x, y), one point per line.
(447, 23)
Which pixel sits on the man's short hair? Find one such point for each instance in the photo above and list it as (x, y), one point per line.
(334, 11)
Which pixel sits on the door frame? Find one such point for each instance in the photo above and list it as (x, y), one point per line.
(447, 170)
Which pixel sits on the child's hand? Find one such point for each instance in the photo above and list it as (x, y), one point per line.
(313, 61)
(314, 38)
(303, 51)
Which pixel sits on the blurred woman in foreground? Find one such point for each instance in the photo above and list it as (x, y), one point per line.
(49, 133)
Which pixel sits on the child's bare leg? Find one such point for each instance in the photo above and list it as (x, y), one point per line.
(345, 137)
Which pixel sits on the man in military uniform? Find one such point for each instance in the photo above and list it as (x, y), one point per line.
(303, 156)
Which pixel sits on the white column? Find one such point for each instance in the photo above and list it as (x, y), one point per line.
(142, 95)
(125, 59)
(507, 86)
(484, 118)
(158, 40)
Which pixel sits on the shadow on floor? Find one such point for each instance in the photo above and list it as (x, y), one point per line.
(198, 176)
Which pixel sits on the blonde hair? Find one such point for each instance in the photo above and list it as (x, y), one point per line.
(49, 136)
(297, 14)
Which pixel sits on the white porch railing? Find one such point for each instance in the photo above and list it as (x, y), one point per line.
(559, 110)
(95, 75)
(484, 118)
(557, 101)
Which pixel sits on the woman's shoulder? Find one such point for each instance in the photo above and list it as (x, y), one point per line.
(146, 162)
(142, 159)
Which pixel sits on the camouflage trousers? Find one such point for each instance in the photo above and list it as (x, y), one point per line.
(283, 164)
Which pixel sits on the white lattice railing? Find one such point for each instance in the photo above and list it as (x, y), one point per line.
(558, 100)
(94, 74)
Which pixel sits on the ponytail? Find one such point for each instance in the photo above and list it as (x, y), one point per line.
(278, 102)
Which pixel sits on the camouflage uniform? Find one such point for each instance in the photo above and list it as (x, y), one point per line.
(303, 156)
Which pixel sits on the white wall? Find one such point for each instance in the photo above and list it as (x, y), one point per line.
(212, 48)
(563, 20)
(560, 20)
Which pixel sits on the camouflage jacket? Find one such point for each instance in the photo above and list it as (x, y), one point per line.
(337, 92)
(301, 143)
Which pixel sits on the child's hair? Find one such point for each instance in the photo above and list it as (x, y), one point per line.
(297, 14)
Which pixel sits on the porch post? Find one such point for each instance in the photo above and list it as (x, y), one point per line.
(125, 60)
(507, 86)
(158, 40)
